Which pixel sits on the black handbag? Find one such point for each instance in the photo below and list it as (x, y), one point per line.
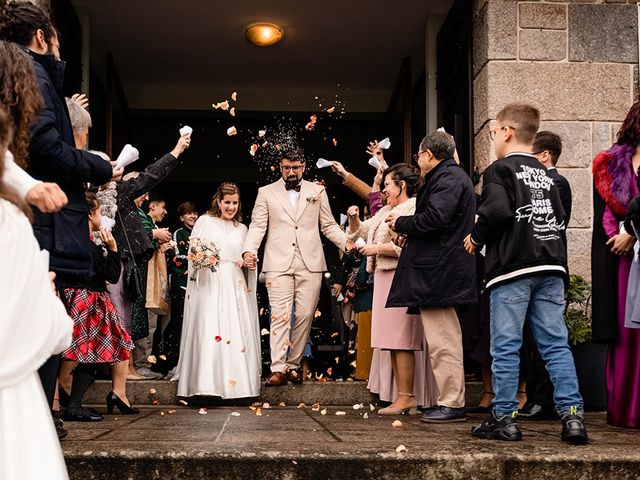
(132, 279)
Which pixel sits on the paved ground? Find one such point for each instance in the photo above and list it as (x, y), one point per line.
(288, 442)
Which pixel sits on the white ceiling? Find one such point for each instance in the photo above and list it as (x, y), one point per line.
(186, 54)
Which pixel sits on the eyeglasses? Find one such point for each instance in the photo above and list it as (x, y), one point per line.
(295, 168)
(416, 156)
(494, 131)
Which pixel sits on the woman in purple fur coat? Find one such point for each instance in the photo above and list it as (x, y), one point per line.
(615, 176)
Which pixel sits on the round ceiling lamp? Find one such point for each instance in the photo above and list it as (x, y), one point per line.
(264, 34)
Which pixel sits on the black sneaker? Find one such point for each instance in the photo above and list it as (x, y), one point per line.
(573, 429)
(442, 414)
(60, 430)
(498, 428)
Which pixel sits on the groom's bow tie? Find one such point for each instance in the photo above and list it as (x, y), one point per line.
(292, 187)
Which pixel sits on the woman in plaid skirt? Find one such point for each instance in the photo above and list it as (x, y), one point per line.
(98, 334)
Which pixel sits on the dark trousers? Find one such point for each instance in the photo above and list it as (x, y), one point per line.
(49, 376)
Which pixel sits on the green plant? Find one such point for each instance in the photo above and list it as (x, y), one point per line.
(577, 312)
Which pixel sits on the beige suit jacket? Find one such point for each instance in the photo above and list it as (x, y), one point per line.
(287, 227)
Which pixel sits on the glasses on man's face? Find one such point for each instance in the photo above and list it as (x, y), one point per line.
(294, 168)
(416, 156)
(494, 131)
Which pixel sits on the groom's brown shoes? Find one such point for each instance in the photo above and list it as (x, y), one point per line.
(276, 379)
(294, 375)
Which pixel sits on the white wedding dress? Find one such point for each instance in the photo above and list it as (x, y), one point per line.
(33, 326)
(220, 344)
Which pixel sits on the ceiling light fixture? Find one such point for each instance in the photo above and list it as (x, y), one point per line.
(264, 34)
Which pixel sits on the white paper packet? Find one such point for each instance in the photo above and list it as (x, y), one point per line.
(128, 155)
(324, 163)
(360, 242)
(186, 130)
(106, 223)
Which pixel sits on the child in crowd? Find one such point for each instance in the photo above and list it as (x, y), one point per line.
(521, 222)
(98, 334)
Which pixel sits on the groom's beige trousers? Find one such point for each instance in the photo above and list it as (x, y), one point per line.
(295, 287)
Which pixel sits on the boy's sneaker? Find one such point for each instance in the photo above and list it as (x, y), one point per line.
(498, 428)
(573, 429)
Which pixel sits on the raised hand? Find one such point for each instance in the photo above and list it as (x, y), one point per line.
(108, 241)
(81, 99)
(183, 143)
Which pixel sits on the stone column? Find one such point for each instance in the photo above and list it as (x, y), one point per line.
(577, 61)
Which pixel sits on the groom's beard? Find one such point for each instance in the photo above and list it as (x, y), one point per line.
(292, 180)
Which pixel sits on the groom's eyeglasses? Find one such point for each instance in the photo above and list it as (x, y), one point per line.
(295, 168)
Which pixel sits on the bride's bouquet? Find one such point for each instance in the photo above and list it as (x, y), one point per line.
(203, 254)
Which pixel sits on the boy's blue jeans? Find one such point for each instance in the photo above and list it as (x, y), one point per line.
(540, 300)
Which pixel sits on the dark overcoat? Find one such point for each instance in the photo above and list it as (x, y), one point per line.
(434, 270)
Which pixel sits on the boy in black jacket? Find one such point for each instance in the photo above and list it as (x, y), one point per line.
(521, 222)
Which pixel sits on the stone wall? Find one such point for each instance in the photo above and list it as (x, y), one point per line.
(577, 61)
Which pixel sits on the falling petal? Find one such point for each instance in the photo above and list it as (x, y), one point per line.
(152, 359)
(317, 314)
(218, 338)
(262, 133)
(315, 407)
(234, 96)
(232, 383)
(282, 404)
(302, 405)
(163, 358)
(162, 414)
(340, 413)
(266, 405)
(183, 402)
(152, 391)
(335, 142)
(232, 111)
(353, 364)
(235, 414)
(244, 349)
(224, 105)
(331, 110)
(171, 412)
(329, 371)
(155, 402)
(334, 334)
(202, 411)
(337, 359)
(366, 415)
(371, 407)
(253, 149)
(231, 131)
(258, 412)
(358, 406)
(396, 424)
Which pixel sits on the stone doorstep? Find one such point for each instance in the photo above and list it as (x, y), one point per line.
(327, 393)
(233, 443)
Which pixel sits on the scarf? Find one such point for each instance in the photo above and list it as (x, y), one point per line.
(614, 178)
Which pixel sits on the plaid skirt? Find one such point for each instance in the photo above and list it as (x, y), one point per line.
(98, 333)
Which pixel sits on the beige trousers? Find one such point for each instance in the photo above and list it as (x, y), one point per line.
(443, 334)
(300, 287)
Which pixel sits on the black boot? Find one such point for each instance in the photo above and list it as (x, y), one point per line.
(83, 377)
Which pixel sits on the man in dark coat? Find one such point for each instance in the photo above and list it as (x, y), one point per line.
(434, 274)
(54, 158)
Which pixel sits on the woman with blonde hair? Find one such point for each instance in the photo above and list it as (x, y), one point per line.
(220, 346)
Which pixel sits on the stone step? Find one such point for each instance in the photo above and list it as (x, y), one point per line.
(327, 393)
(233, 443)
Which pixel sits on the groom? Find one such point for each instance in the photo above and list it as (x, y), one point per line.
(292, 212)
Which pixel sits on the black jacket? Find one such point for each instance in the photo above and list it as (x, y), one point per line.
(106, 267)
(521, 221)
(53, 158)
(565, 191)
(434, 270)
(128, 191)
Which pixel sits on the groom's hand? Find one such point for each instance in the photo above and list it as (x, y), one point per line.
(250, 260)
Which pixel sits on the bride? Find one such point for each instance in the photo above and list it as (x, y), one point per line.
(220, 345)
